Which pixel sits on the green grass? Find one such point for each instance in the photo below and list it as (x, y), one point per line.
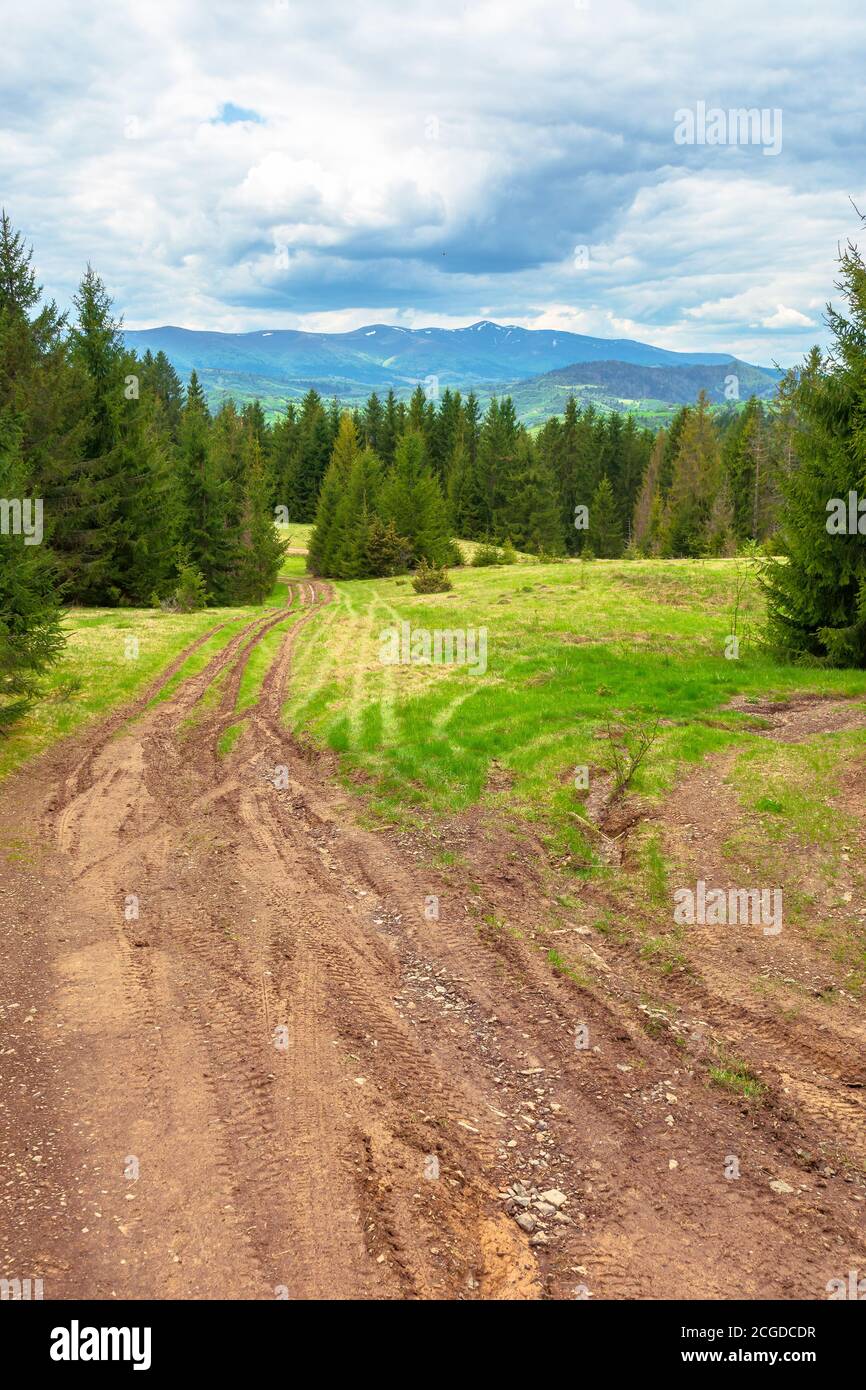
(228, 738)
(560, 966)
(297, 533)
(259, 662)
(732, 1075)
(573, 648)
(198, 660)
(790, 786)
(95, 673)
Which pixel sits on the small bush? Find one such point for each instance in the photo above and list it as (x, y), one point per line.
(387, 553)
(191, 591)
(487, 555)
(427, 580)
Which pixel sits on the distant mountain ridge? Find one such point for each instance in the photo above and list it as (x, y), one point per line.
(622, 385)
(282, 364)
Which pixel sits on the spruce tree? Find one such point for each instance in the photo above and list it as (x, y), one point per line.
(354, 518)
(202, 538)
(534, 517)
(312, 453)
(648, 507)
(696, 478)
(412, 499)
(605, 528)
(720, 535)
(816, 588)
(325, 539)
(118, 553)
(389, 431)
(42, 395)
(258, 550)
(466, 505)
(31, 637)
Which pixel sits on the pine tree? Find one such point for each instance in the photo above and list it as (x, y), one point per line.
(259, 550)
(648, 507)
(635, 447)
(118, 553)
(747, 464)
(448, 427)
(696, 477)
(535, 519)
(720, 534)
(471, 425)
(389, 432)
(605, 528)
(576, 456)
(672, 444)
(387, 552)
(283, 445)
(325, 539)
(466, 506)
(412, 500)
(495, 459)
(817, 588)
(160, 381)
(354, 518)
(312, 453)
(372, 422)
(31, 637)
(202, 538)
(42, 395)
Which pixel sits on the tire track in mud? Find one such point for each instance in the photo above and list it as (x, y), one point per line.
(285, 1156)
(288, 1045)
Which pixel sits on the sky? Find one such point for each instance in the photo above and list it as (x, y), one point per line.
(325, 166)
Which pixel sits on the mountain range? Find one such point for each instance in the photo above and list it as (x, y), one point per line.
(539, 368)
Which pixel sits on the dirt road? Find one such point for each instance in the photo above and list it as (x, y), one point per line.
(239, 1061)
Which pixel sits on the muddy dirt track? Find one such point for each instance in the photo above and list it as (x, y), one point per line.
(279, 1079)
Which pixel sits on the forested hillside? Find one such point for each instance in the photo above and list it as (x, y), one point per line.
(144, 497)
(650, 393)
(284, 363)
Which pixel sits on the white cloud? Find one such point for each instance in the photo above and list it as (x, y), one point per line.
(785, 317)
(438, 164)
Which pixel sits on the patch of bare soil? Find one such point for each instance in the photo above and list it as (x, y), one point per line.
(250, 1048)
(792, 720)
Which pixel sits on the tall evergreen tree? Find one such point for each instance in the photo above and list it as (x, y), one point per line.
(325, 539)
(696, 477)
(122, 555)
(534, 520)
(259, 550)
(816, 588)
(605, 527)
(31, 637)
(412, 499)
(42, 395)
(356, 512)
(646, 525)
(202, 536)
(31, 353)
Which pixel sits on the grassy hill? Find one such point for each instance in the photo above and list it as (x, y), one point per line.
(650, 393)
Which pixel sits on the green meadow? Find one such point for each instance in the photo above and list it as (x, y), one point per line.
(582, 657)
(113, 654)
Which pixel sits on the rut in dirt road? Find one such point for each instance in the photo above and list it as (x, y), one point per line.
(242, 1063)
(208, 1050)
